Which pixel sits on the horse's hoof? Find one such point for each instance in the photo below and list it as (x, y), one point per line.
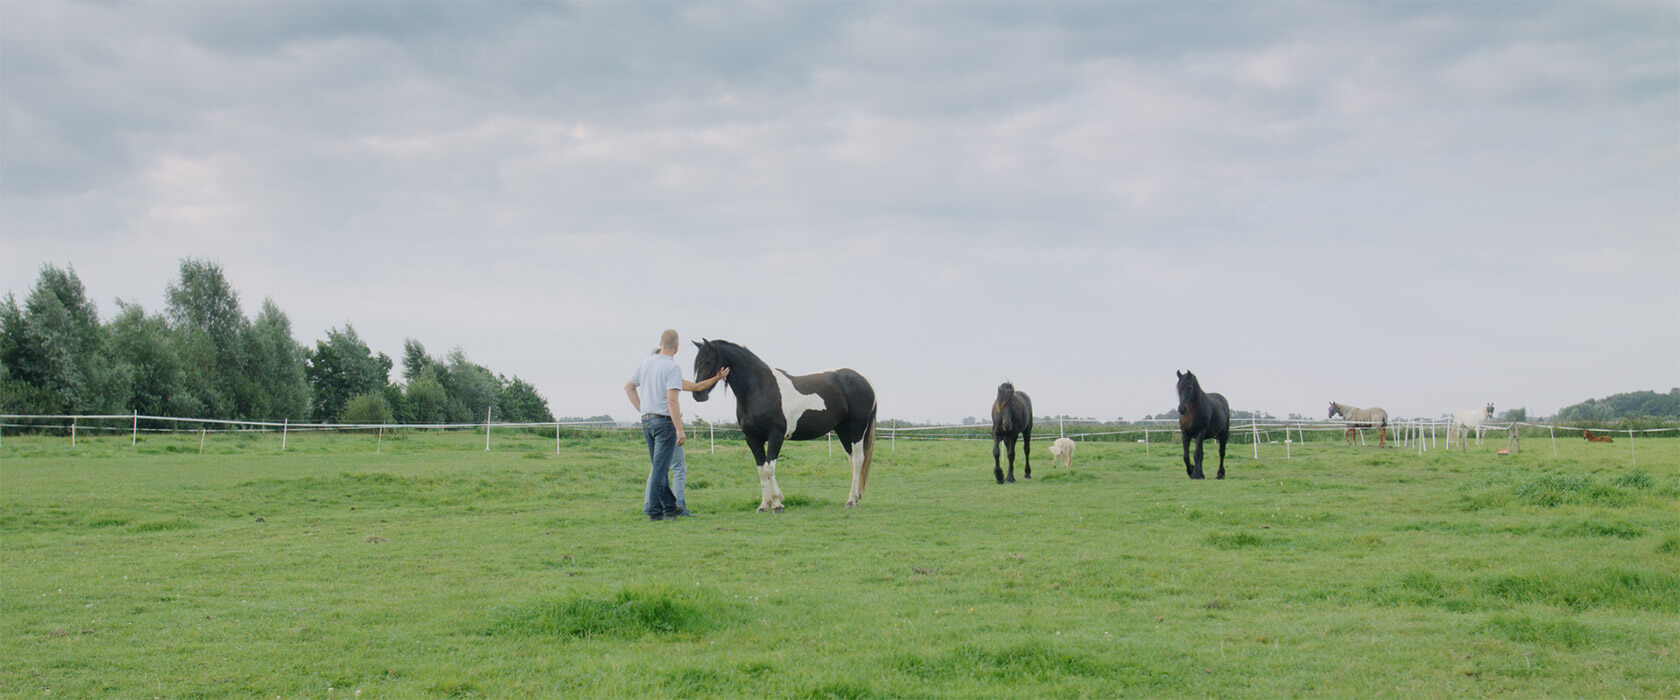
(762, 509)
(1012, 480)
(778, 510)
(851, 504)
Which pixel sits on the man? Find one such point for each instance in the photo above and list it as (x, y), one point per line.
(653, 390)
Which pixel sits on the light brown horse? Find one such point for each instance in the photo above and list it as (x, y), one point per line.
(1588, 434)
(1359, 418)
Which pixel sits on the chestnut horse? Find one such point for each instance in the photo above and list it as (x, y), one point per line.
(1588, 434)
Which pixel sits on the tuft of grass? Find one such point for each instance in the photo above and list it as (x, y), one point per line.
(1066, 476)
(1610, 587)
(1669, 545)
(1033, 660)
(164, 525)
(1521, 628)
(841, 690)
(1636, 479)
(630, 613)
(99, 520)
(1559, 488)
(789, 501)
(1597, 527)
(1234, 540)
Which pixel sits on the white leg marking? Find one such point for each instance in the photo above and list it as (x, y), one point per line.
(795, 404)
(775, 491)
(764, 475)
(855, 456)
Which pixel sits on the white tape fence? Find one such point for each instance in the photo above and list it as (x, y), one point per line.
(1413, 435)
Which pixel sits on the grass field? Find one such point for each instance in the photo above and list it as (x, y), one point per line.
(435, 568)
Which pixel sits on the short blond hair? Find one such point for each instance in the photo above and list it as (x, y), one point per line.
(668, 340)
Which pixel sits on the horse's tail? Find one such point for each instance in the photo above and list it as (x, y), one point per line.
(868, 451)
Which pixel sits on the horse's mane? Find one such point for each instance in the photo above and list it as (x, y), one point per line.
(735, 354)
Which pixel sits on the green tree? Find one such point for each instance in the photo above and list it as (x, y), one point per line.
(204, 310)
(147, 346)
(368, 408)
(425, 400)
(415, 361)
(342, 367)
(520, 403)
(55, 344)
(472, 389)
(276, 367)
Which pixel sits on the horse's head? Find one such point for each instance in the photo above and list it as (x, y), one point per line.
(707, 362)
(1490, 409)
(1187, 388)
(1006, 391)
(1334, 409)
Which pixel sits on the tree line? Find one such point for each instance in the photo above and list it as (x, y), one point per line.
(1633, 404)
(201, 357)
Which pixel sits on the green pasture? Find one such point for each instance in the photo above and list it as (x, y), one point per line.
(434, 568)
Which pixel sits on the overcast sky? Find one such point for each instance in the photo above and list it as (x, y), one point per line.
(1419, 206)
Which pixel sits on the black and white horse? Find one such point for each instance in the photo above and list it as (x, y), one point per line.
(1201, 416)
(1011, 416)
(773, 406)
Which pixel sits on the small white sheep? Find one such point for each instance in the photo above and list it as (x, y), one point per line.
(1061, 453)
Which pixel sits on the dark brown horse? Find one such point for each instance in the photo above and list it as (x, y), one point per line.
(1588, 434)
(1011, 416)
(1201, 416)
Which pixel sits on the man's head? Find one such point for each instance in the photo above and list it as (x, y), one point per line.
(668, 342)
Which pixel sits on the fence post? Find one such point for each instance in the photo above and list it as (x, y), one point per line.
(711, 437)
(72, 431)
(285, 426)
(134, 439)
(556, 437)
(1632, 450)
(379, 442)
(1146, 443)
(1553, 429)
(201, 439)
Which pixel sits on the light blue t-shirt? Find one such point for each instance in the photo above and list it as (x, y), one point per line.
(658, 374)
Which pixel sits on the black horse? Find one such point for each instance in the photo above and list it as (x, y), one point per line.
(773, 406)
(1200, 416)
(1011, 416)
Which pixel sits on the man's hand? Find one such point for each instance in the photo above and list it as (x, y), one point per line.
(680, 437)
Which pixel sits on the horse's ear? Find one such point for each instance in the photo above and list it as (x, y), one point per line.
(697, 343)
(1180, 374)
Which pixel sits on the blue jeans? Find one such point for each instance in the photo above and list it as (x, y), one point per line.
(679, 479)
(663, 451)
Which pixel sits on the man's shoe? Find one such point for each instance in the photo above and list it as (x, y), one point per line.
(684, 514)
(660, 516)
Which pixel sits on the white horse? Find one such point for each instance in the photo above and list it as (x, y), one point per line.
(1061, 453)
(1467, 420)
